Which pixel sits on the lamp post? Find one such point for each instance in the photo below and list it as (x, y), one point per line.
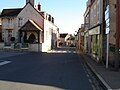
(76, 39)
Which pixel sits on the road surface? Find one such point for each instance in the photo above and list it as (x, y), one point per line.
(58, 70)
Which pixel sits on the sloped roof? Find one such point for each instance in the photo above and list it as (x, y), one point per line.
(30, 25)
(63, 35)
(10, 12)
(71, 38)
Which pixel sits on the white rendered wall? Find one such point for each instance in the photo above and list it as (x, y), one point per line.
(49, 28)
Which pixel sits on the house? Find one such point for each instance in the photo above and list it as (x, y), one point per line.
(81, 35)
(100, 29)
(86, 27)
(70, 40)
(51, 33)
(26, 26)
(62, 39)
(110, 12)
(93, 29)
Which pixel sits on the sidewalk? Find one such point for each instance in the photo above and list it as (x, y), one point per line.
(4, 54)
(109, 79)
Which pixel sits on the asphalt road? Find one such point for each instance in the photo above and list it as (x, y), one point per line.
(44, 71)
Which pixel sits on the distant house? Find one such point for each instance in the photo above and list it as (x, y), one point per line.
(81, 40)
(70, 40)
(27, 25)
(62, 39)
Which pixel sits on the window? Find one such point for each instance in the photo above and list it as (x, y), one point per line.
(20, 20)
(8, 20)
(49, 18)
(91, 18)
(98, 11)
(94, 11)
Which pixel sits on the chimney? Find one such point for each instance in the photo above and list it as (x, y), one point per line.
(32, 2)
(39, 7)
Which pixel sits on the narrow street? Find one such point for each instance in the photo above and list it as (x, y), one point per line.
(58, 70)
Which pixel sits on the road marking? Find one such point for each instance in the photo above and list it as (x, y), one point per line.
(88, 76)
(53, 51)
(93, 87)
(90, 80)
(4, 62)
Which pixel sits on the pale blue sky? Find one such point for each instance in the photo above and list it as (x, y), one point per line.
(68, 14)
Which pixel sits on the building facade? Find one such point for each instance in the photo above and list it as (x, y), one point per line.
(86, 27)
(100, 29)
(69, 39)
(51, 33)
(24, 23)
(110, 30)
(62, 39)
(28, 25)
(81, 39)
(93, 30)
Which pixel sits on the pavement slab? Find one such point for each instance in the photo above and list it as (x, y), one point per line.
(110, 79)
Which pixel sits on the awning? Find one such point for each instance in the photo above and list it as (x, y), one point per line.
(30, 25)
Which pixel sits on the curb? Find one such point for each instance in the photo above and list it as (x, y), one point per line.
(101, 80)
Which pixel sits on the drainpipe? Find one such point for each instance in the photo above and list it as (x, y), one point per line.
(117, 37)
(117, 25)
(38, 41)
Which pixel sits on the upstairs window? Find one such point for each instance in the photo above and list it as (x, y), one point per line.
(20, 21)
(8, 20)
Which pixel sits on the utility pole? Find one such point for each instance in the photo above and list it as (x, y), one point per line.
(117, 37)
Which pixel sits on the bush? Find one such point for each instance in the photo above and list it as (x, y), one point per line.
(12, 39)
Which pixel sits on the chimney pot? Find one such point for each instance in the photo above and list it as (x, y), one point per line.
(39, 7)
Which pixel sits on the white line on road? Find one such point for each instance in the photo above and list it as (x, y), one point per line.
(4, 62)
(52, 51)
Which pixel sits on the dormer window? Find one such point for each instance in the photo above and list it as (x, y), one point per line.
(49, 18)
(52, 20)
